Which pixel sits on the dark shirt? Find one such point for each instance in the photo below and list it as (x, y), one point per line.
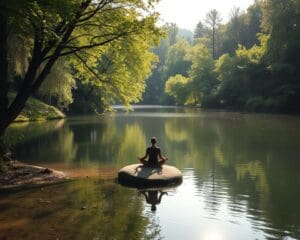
(153, 153)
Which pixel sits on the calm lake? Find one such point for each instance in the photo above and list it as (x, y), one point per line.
(241, 177)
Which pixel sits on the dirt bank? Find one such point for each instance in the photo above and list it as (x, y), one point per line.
(20, 175)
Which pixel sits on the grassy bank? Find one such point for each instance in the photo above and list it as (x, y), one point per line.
(36, 110)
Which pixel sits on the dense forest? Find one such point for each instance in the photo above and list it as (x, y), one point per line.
(83, 56)
(249, 63)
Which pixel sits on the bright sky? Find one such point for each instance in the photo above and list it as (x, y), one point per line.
(187, 13)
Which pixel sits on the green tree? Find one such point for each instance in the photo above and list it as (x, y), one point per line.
(58, 86)
(282, 20)
(61, 29)
(242, 28)
(213, 20)
(178, 87)
(172, 30)
(244, 77)
(234, 30)
(154, 91)
(202, 75)
(253, 24)
(177, 62)
(200, 30)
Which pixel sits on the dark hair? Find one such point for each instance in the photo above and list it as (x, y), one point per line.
(153, 140)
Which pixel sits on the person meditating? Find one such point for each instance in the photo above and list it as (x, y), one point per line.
(153, 153)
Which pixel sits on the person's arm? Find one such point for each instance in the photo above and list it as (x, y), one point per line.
(162, 157)
(143, 158)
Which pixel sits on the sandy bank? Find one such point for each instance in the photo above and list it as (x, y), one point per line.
(21, 175)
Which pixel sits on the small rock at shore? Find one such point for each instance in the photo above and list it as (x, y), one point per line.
(44, 201)
(46, 171)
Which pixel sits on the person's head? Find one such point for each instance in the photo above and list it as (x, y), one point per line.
(153, 207)
(153, 140)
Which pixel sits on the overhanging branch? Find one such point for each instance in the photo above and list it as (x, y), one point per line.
(84, 62)
(75, 49)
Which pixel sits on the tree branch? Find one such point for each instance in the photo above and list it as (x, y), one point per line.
(84, 62)
(90, 14)
(75, 49)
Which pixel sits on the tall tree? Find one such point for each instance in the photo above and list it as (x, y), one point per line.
(4, 83)
(282, 20)
(60, 29)
(172, 32)
(200, 30)
(202, 75)
(213, 20)
(253, 22)
(155, 83)
(237, 24)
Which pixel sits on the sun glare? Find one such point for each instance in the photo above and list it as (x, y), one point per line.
(212, 235)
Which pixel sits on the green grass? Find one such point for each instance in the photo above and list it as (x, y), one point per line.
(36, 110)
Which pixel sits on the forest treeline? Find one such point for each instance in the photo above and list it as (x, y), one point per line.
(84, 55)
(251, 63)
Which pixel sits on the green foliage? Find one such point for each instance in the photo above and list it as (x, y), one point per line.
(58, 85)
(213, 20)
(172, 30)
(103, 44)
(178, 87)
(200, 30)
(202, 74)
(258, 68)
(240, 76)
(242, 29)
(35, 110)
(119, 75)
(177, 62)
(172, 60)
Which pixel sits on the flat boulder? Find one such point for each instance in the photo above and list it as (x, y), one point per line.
(138, 175)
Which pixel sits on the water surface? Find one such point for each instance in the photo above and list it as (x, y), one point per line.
(241, 177)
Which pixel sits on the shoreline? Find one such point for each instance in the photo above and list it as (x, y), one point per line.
(20, 176)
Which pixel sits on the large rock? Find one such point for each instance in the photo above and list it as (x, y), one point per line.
(143, 176)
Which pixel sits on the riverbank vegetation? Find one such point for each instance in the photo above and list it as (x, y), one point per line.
(89, 53)
(50, 48)
(36, 110)
(82, 56)
(249, 63)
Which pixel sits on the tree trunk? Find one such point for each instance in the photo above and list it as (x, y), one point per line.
(31, 81)
(4, 83)
(14, 110)
(214, 43)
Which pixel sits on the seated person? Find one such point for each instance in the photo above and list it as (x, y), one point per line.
(153, 153)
